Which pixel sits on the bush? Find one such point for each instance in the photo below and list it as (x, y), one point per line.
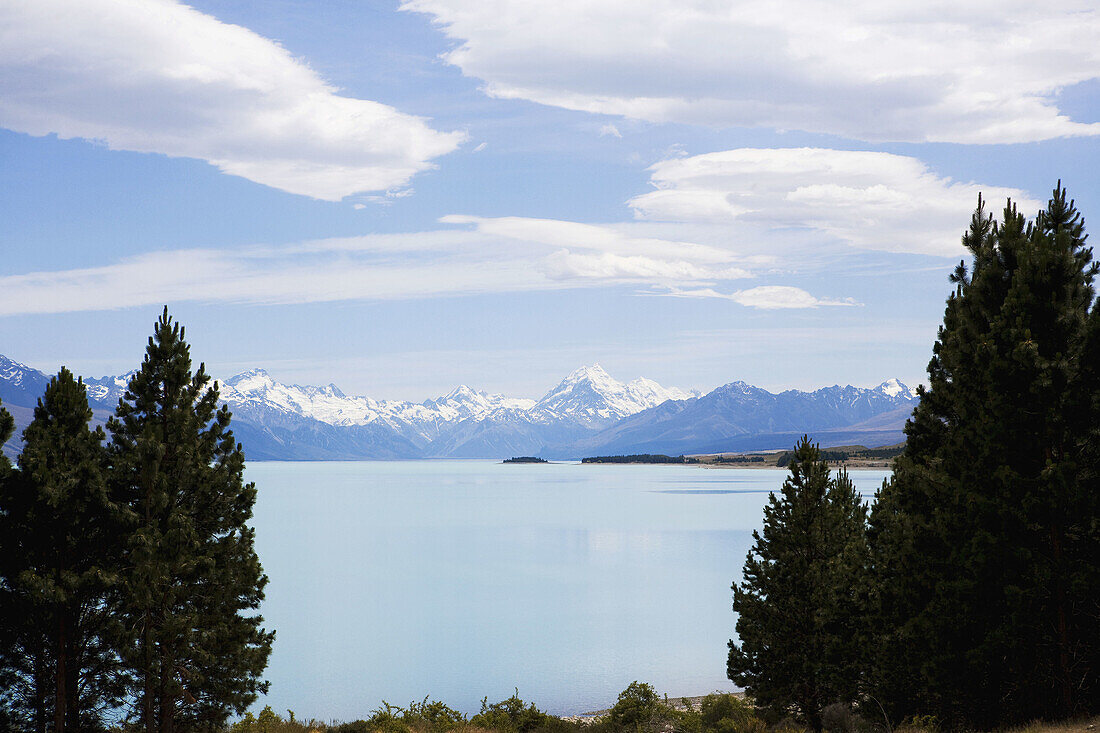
(841, 718)
(268, 721)
(638, 709)
(426, 716)
(512, 714)
(433, 716)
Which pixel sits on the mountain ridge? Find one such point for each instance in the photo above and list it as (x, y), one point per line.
(587, 412)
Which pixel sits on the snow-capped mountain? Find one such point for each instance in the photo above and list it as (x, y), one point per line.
(19, 383)
(589, 411)
(739, 416)
(591, 397)
(894, 388)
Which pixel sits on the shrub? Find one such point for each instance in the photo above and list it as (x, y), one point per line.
(433, 715)
(512, 714)
(639, 708)
(841, 718)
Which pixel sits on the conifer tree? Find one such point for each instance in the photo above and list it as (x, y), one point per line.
(985, 563)
(800, 601)
(63, 575)
(57, 570)
(20, 651)
(193, 640)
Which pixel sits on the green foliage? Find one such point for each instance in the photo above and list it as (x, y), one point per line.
(431, 715)
(62, 566)
(512, 714)
(640, 458)
(840, 456)
(190, 635)
(727, 714)
(638, 708)
(268, 721)
(985, 542)
(803, 593)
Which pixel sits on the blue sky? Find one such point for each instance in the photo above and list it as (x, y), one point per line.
(401, 198)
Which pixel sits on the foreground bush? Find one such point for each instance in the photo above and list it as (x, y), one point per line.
(639, 709)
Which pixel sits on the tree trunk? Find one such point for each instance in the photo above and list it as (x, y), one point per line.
(41, 680)
(61, 674)
(167, 698)
(147, 677)
(72, 677)
(1064, 665)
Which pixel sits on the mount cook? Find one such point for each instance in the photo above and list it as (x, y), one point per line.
(587, 413)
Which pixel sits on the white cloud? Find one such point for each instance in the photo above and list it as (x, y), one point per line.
(986, 71)
(767, 297)
(498, 256)
(597, 237)
(564, 264)
(869, 200)
(610, 130)
(157, 76)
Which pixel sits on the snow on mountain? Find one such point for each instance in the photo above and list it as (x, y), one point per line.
(419, 421)
(895, 388)
(593, 398)
(729, 416)
(462, 403)
(13, 372)
(107, 390)
(588, 409)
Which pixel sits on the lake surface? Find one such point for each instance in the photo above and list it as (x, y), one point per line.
(465, 579)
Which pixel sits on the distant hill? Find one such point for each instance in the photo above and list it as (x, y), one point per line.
(587, 413)
(739, 417)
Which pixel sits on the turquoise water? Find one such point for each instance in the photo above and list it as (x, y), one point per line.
(465, 579)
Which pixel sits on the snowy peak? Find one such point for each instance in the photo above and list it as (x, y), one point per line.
(251, 382)
(593, 397)
(108, 390)
(462, 403)
(897, 389)
(15, 373)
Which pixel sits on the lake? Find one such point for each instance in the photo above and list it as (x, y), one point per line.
(464, 579)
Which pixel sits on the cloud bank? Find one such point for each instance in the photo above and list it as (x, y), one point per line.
(940, 71)
(156, 76)
(495, 256)
(713, 219)
(875, 201)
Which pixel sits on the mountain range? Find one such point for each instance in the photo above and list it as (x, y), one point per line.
(587, 413)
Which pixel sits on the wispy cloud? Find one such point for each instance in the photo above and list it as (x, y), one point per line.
(497, 256)
(713, 219)
(868, 200)
(157, 76)
(976, 72)
(767, 297)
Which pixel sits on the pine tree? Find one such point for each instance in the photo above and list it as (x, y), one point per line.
(21, 653)
(67, 564)
(193, 641)
(985, 564)
(800, 602)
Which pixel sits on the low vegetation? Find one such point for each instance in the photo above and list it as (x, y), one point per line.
(640, 458)
(639, 709)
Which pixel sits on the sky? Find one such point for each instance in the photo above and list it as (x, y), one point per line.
(399, 197)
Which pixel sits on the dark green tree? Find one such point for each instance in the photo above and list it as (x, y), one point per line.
(61, 570)
(801, 601)
(192, 640)
(984, 541)
(71, 563)
(24, 675)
